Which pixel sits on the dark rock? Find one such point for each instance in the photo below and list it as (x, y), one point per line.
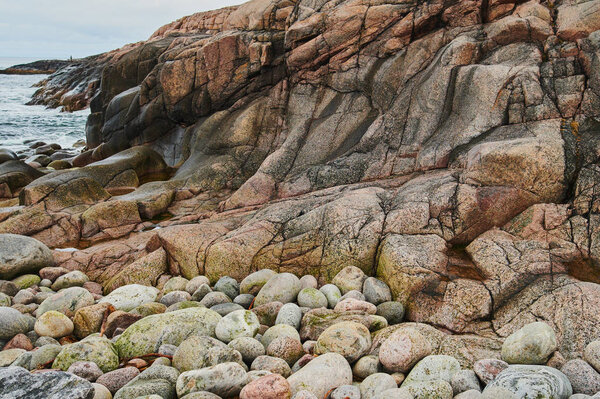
(17, 382)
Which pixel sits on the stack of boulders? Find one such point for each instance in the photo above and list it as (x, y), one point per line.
(271, 335)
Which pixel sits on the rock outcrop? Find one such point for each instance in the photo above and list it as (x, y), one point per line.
(450, 148)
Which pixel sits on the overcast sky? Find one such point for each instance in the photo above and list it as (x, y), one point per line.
(78, 28)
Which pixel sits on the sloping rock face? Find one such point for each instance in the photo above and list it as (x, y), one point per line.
(450, 148)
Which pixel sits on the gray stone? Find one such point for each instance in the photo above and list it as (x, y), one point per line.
(67, 301)
(22, 255)
(99, 350)
(332, 293)
(244, 300)
(8, 356)
(240, 323)
(273, 364)
(434, 389)
(44, 355)
(228, 286)
(591, 354)
(174, 297)
(350, 339)
(159, 380)
(117, 379)
(365, 366)
(198, 352)
(289, 314)
(312, 298)
(278, 331)
(16, 382)
(75, 278)
(434, 367)
(195, 283)
(201, 292)
(86, 370)
(532, 382)
(176, 283)
(393, 312)
(225, 308)
(464, 380)
(249, 348)
(308, 281)
(376, 291)
(214, 298)
(13, 322)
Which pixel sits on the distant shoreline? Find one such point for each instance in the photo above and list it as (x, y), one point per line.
(41, 67)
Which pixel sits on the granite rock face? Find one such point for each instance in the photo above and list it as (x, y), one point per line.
(450, 149)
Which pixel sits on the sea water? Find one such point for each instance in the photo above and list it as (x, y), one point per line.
(20, 122)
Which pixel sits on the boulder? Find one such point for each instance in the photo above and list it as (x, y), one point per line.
(22, 255)
(526, 381)
(16, 382)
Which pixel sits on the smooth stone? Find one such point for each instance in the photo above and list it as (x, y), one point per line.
(148, 334)
(75, 278)
(350, 339)
(249, 348)
(304, 394)
(532, 382)
(225, 308)
(8, 356)
(278, 331)
(101, 392)
(130, 296)
(44, 355)
(308, 281)
(433, 389)
(4, 300)
(214, 298)
(176, 283)
(433, 367)
(271, 386)
(403, 349)
(488, 369)
(225, 380)
(310, 377)
(464, 380)
(158, 380)
(376, 291)
(312, 298)
(240, 323)
(283, 287)
(195, 283)
(532, 344)
(365, 366)
(198, 352)
(27, 280)
(267, 313)
(376, 384)
(583, 377)
(201, 292)
(351, 304)
(244, 300)
(86, 370)
(289, 314)
(227, 285)
(24, 297)
(332, 293)
(272, 364)
(591, 354)
(286, 348)
(67, 301)
(253, 283)
(346, 392)
(393, 312)
(53, 324)
(13, 322)
(117, 379)
(174, 297)
(353, 294)
(17, 382)
(349, 278)
(99, 350)
(21, 255)
(88, 320)
(470, 394)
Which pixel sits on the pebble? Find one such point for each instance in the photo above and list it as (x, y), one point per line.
(289, 314)
(312, 298)
(376, 291)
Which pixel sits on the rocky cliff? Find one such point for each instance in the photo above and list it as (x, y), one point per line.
(449, 147)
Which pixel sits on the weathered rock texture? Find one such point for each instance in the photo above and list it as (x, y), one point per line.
(449, 147)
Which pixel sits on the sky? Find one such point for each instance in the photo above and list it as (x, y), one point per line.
(46, 29)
